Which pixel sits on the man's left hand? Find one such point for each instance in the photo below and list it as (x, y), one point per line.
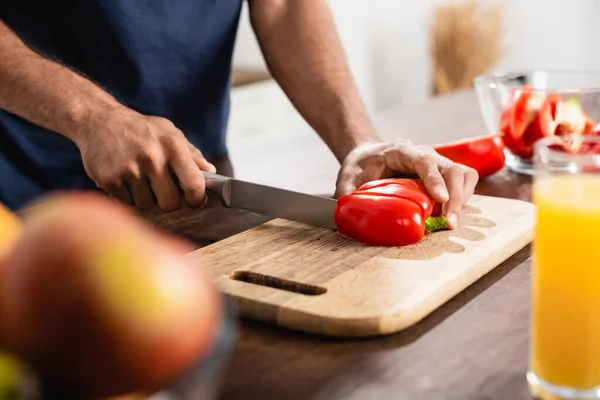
(447, 182)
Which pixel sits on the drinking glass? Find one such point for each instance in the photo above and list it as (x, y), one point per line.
(565, 324)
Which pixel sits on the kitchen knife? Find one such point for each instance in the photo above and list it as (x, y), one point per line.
(271, 201)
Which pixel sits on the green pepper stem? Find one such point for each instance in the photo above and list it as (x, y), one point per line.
(433, 224)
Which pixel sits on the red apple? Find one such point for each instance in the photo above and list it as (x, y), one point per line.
(99, 302)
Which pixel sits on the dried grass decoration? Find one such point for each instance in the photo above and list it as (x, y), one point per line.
(466, 40)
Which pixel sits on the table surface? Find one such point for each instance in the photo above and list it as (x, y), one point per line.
(473, 347)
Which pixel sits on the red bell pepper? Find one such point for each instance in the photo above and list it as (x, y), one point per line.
(388, 212)
(485, 154)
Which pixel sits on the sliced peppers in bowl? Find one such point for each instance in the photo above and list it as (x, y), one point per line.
(526, 106)
(532, 116)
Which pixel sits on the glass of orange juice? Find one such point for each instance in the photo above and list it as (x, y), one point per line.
(565, 325)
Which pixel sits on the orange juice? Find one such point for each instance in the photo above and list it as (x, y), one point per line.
(565, 336)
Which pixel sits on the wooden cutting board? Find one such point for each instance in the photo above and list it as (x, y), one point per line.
(313, 280)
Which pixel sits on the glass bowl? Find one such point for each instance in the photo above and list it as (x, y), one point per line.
(526, 106)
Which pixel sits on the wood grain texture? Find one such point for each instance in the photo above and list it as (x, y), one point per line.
(311, 279)
(474, 347)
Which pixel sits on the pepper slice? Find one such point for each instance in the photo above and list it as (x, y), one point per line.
(387, 212)
(517, 116)
(521, 120)
(485, 154)
(542, 125)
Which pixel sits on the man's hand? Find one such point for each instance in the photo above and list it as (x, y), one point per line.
(448, 183)
(142, 160)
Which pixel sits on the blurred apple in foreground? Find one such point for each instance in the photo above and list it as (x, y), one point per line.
(95, 300)
(10, 369)
(10, 229)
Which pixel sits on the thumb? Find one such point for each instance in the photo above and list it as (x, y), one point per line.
(346, 182)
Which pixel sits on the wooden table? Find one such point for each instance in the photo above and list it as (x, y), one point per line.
(474, 347)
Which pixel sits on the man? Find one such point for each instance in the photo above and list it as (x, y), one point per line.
(132, 97)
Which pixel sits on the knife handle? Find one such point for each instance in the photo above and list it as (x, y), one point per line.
(220, 186)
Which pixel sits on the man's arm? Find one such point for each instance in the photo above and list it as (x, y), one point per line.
(127, 154)
(45, 92)
(305, 56)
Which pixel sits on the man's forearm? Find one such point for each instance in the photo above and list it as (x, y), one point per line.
(43, 91)
(304, 54)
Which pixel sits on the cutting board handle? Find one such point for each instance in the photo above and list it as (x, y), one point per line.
(277, 283)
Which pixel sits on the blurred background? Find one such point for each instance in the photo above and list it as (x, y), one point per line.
(387, 41)
(403, 52)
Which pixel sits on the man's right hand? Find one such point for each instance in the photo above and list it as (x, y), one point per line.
(142, 160)
(137, 159)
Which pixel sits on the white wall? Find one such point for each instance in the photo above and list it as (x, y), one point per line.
(387, 44)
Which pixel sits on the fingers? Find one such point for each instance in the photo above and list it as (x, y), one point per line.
(454, 178)
(402, 156)
(142, 194)
(189, 176)
(117, 189)
(165, 190)
(200, 161)
(426, 166)
(471, 179)
(122, 194)
(447, 182)
(118, 192)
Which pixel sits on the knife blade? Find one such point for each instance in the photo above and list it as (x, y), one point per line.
(272, 201)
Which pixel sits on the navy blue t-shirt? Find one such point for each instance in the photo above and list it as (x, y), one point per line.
(169, 58)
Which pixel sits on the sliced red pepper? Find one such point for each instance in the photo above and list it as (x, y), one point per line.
(485, 154)
(554, 101)
(520, 112)
(403, 192)
(570, 118)
(515, 119)
(542, 125)
(413, 183)
(590, 126)
(387, 212)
